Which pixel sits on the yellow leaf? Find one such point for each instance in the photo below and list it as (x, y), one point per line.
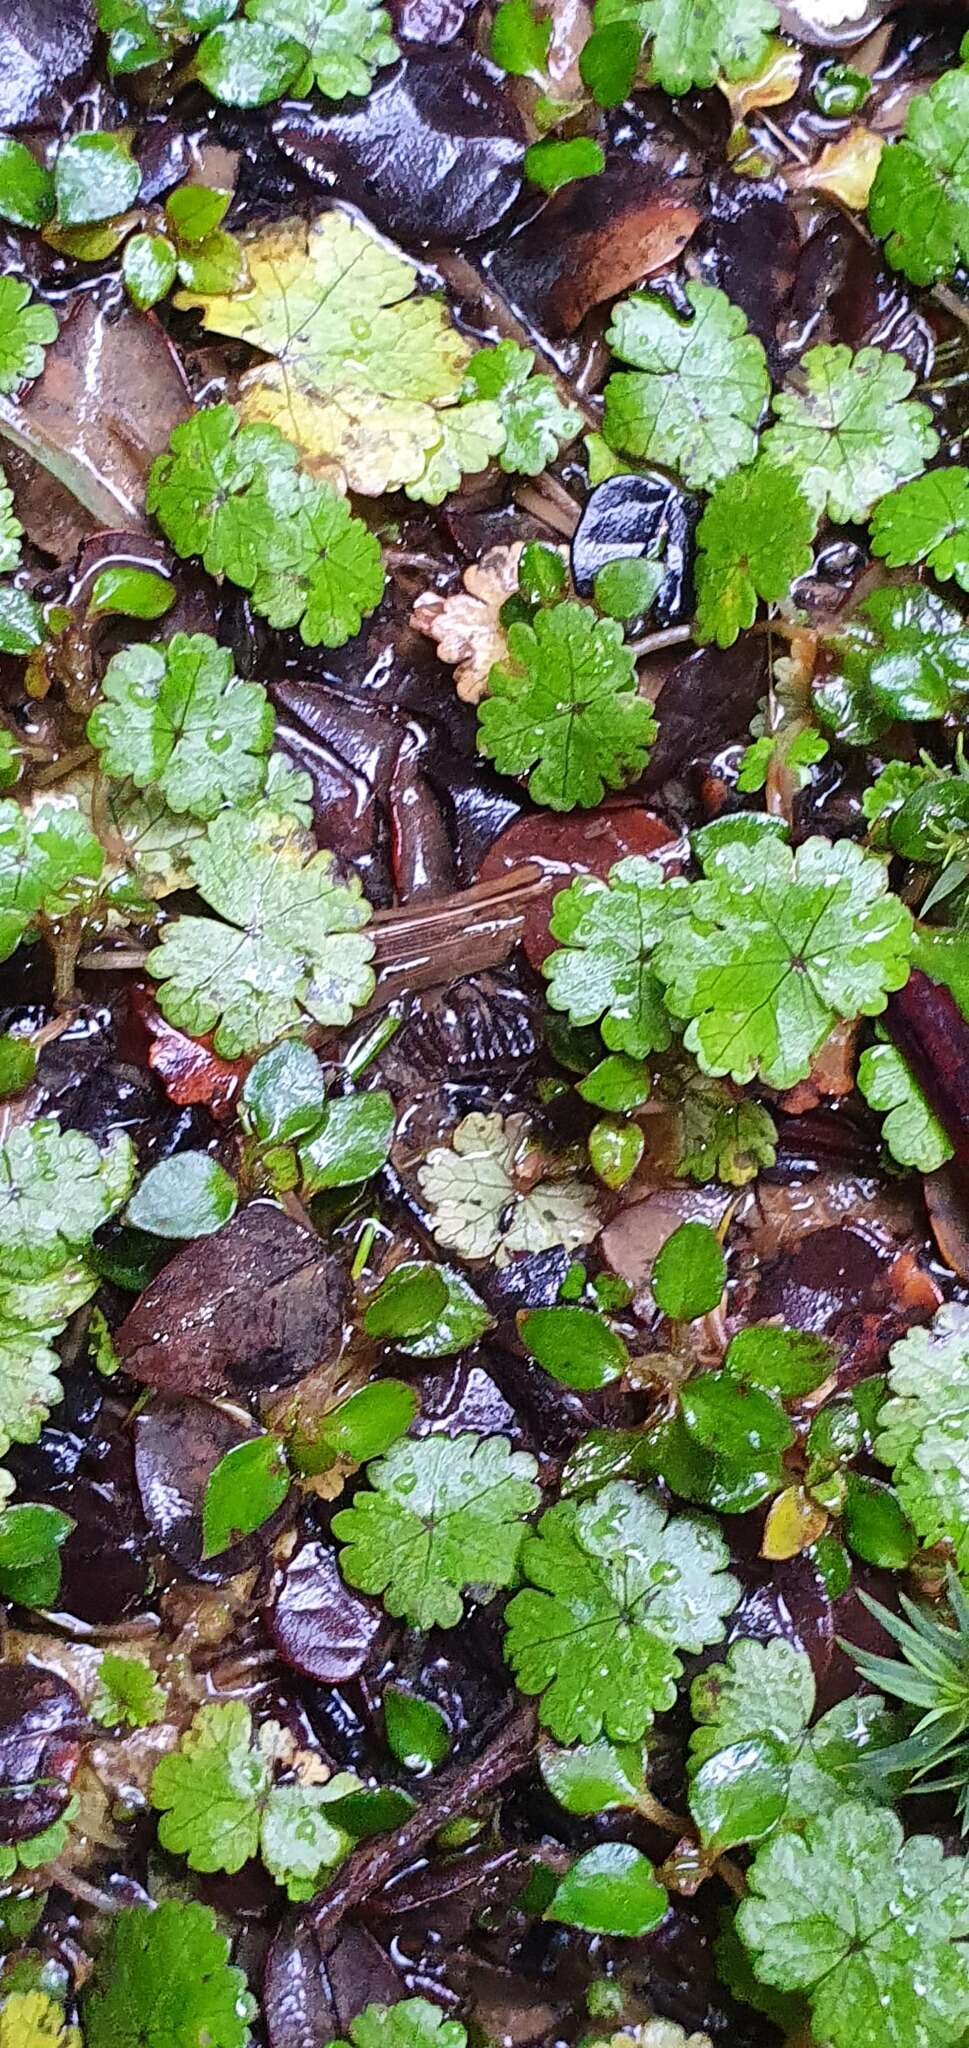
(795, 1521)
(30, 2019)
(359, 368)
(845, 168)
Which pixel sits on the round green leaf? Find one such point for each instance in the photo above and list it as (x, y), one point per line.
(353, 1141)
(690, 1272)
(95, 178)
(362, 1427)
(246, 63)
(785, 1362)
(740, 1423)
(417, 1732)
(552, 164)
(740, 1793)
(626, 588)
(243, 1490)
(135, 593)
(283, 1093)
(148, 269)
(594, 1777)
(575, 1345)
(26, 188)
(875, 1526)
(18, 1065)
(409, 1300)
(189, 1195)
(610, 1890)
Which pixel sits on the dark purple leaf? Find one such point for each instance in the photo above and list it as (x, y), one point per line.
(434, 154)
(41, 1721)
(177, 1447)
(706, 703)
(829, 1275)
(314, 1987)
(319, 1625)
(597, 238)
(45, 46)
(635, 516)
(749, 246)
(257, 1305)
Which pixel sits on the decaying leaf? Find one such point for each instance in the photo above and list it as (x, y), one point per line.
(492, 1193)
(465, 626)
(845, 168)
(359, 370)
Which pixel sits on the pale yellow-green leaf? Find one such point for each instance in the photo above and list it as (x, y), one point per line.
(359, 366)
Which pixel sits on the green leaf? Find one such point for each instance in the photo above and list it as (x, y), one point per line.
(615, 1150)
(26, 188)
(755, 1765)
(575, 1345)
(874, 1526)
(723, 1135)
(407, 1302)
(128, 1694)
(248, 63)
(188, 1195)
(149, 269)
(535, 421)
(594, 1778)
(48, 864)
(785, 1362)
(30, 1539)
(754, 542)
(609, 61)
(610, 1890)
(414, 2023)
(345, 45)
(246, 1486)
(848, 430)
(567, 709)
(691, 45)
(904, 655)
(519, 43)
(911, 1130)
(56, 1189)
(235, 495)
(919, 202)
(553, 163)
(617, 1589)
(95, 178)
(26, 328)
(479, 1206)
(353, 1141)
(698, 385)
(744, 1425)
(625, 589)
(923, 1430)
(617, 1083)
(11, 535)
(865, 1924)
(210, 1791)
(283, 1093)
(292, 940)
(18, 1065)
(927, 521)
(689, 1272)
(602, 971)
(361, 1427)
(177, 716)
(459, 1319)
(163, 1980)
(417, 1732)
(776, 948)
(445, 1513)
(301, 1840)
(21, 621)
(135, 593)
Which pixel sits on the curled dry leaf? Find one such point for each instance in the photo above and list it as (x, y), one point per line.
(466, 626)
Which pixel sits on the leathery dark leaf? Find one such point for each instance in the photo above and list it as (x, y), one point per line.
(177, 1447)
(596, 238)
(44, 48)
(632, 516)
(41, 1724)
(433, 155)
(315, 1986)
(255, 1306)
(318, 1624)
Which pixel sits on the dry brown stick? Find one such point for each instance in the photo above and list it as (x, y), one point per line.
(373, 1864)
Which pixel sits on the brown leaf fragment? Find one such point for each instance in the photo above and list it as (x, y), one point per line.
(466, 626)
